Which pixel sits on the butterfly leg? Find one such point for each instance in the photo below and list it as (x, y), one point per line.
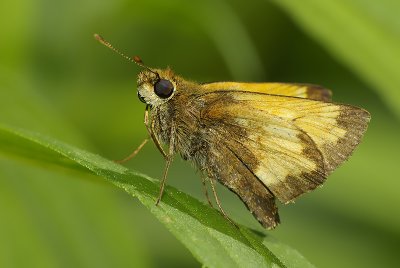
(150, 127)
(219, 203)
(203, 180)
(132, 155)
(169, 158)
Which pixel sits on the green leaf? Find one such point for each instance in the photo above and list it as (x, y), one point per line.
(365, 35)
(291, 256)
(212, 240)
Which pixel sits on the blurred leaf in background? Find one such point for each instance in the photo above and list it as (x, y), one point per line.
(55, 79)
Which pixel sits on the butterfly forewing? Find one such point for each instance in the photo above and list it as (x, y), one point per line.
(288, 144)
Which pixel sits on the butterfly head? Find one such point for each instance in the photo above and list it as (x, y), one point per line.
(155, 87)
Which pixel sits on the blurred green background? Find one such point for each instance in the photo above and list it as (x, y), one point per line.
(56, 79)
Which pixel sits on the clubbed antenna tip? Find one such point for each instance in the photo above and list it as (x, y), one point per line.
(99, 38)
(108, 44)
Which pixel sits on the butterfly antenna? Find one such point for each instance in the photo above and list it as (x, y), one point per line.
(135, 59)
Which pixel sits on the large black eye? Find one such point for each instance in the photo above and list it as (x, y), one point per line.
(163, 88)
(140, 98)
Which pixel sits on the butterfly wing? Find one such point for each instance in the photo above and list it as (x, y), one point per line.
(265, 146)
(236, 173)
(308, 91)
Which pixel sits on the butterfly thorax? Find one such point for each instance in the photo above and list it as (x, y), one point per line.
(181, 117)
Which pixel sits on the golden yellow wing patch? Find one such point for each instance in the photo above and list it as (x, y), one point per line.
(289, 144)
(307, 91)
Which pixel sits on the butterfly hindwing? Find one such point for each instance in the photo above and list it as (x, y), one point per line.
(229, 168)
